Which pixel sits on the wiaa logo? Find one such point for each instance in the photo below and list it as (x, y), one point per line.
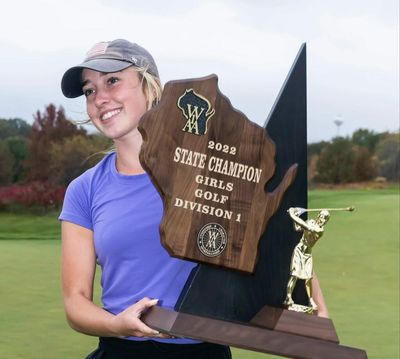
(197, 111)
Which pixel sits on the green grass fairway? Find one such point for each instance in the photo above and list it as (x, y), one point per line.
(357, 262)
(27, 226)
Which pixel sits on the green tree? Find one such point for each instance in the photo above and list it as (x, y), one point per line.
(313, 152)
(365, 166)
(74, 155)
(14, 127)
(48, 127)
(6, 164)
(388, 153)
(18, 147)
(336, 162)
(366, 138)
(316, 148)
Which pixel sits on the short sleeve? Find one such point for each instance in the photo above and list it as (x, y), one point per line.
(76, 207)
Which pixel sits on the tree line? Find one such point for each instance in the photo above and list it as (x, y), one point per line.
(38, 161)
(363, 156)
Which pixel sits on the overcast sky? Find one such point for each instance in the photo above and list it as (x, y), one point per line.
(352, 53)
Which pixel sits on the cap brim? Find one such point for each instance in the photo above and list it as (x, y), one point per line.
(71, 83)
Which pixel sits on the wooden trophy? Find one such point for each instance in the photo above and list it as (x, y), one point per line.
(226, 185)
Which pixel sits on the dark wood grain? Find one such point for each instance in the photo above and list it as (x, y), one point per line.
(240, 202)
(247, 336)
(296, 323)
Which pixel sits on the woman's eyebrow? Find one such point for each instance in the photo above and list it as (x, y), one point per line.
(85, 82)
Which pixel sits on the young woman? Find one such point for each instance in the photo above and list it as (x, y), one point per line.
(111, 215)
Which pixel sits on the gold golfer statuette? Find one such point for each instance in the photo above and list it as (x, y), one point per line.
(301, 266)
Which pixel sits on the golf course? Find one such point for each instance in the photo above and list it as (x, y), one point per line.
(357, 262)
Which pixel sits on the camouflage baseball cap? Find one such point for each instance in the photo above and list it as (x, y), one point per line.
(111, 56)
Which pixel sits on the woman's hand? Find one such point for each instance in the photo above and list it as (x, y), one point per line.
(319, 298)
(78, 269)
(323, 313)
(128, 322)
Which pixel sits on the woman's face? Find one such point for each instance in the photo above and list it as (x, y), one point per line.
(115, 102)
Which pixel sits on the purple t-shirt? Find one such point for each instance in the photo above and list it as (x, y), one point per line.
(124, 213)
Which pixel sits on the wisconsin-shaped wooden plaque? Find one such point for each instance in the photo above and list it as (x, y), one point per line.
(211, 165)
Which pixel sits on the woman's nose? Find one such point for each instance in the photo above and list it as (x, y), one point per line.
(101, 98)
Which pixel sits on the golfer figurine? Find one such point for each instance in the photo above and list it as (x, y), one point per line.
(301, 266)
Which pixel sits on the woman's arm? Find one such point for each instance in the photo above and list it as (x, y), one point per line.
(318, 297)
(78, 265)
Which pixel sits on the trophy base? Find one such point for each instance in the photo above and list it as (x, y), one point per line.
(254, 336)
(300, 308)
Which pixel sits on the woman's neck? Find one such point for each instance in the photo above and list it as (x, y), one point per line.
(128, 155)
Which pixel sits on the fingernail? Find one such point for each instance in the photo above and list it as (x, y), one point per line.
(154, 301)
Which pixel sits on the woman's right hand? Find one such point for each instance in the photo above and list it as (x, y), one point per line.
(78, 267)
(128, 322)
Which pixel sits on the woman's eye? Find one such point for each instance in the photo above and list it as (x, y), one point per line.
(88, 92)
(112, 80)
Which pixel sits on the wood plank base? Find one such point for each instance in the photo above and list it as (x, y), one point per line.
(296, 323)
(247, 336)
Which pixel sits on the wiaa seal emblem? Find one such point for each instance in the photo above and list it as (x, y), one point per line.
(211, 240)
(197, 111)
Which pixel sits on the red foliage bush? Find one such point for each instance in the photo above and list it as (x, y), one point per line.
(33, 194)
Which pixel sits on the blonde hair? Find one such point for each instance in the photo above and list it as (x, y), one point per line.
(151, 86)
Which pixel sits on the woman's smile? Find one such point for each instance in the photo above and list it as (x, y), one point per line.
(106, 115)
